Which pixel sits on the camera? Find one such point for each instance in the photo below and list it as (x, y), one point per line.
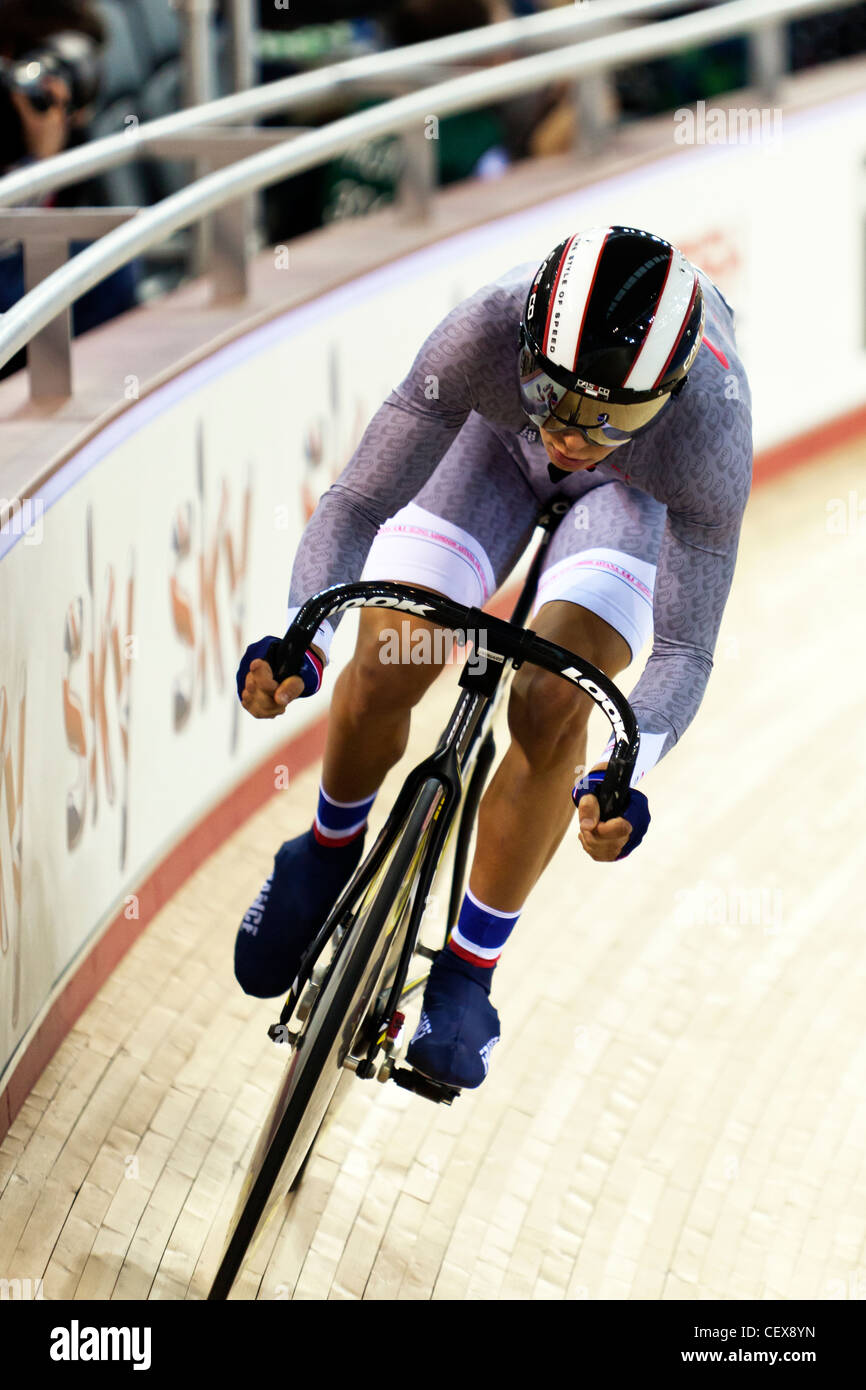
(72, 56)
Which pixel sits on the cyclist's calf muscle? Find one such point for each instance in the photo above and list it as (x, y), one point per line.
(368, 725)
(527, 807)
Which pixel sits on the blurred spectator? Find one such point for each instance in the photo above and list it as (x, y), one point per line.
(470, 143)
(49, 75)
(703, 73)
(479, 143)
(821, 38)
(50, 69)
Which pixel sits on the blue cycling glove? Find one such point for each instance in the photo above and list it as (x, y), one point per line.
(636, 810)
(310, 672)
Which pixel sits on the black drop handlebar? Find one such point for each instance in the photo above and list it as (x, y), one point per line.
(491, 637)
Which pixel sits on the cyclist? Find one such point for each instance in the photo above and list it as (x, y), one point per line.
(609, 376)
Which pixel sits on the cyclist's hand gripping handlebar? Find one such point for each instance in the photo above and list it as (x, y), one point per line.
(495, 636)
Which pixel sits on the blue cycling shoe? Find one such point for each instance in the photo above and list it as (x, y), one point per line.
(459, 1026)
(306, 881)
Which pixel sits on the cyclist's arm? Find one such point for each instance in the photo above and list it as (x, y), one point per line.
(695, 569)
(455, 371)
(399, 450)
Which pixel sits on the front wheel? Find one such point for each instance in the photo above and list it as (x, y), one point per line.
(338, 1015)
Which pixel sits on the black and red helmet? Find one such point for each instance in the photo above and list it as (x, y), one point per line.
(612, 324)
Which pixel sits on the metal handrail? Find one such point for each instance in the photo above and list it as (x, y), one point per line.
(113, 150)
(207, 194)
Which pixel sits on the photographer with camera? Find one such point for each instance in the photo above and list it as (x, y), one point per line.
(51, 56)
(50, 61)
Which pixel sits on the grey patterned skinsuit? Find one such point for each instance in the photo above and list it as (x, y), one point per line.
(453, 439)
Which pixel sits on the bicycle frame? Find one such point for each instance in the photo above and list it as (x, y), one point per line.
(365, 980)
(497, 642)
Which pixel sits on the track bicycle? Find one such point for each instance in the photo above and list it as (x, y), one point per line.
(345, 1009)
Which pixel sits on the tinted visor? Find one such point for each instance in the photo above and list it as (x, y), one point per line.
(552, 407)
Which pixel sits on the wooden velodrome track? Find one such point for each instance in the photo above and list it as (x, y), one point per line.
(678, 1107)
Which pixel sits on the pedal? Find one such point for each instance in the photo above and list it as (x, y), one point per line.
(361, 1066)
(411, 1080)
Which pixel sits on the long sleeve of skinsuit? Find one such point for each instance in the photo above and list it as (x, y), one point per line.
(697, 464)
(693, 578)
(459, 368)
(700, 466)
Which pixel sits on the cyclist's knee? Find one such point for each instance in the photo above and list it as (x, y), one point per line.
(547, 716)
(394, 663)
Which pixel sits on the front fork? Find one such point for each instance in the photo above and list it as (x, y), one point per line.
(389, 1026)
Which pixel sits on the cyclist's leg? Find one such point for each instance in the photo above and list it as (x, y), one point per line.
(595, 597)
(529, 799)
(460, 537)
(374, 695)
(596, 600)
(427, 543)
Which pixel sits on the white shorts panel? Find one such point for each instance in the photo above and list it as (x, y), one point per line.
(618, 587)
(416, 547)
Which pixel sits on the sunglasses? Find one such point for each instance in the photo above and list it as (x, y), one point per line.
(554, 408)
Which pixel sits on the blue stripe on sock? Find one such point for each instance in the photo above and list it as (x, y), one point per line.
(341, 815)
(483, 927)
